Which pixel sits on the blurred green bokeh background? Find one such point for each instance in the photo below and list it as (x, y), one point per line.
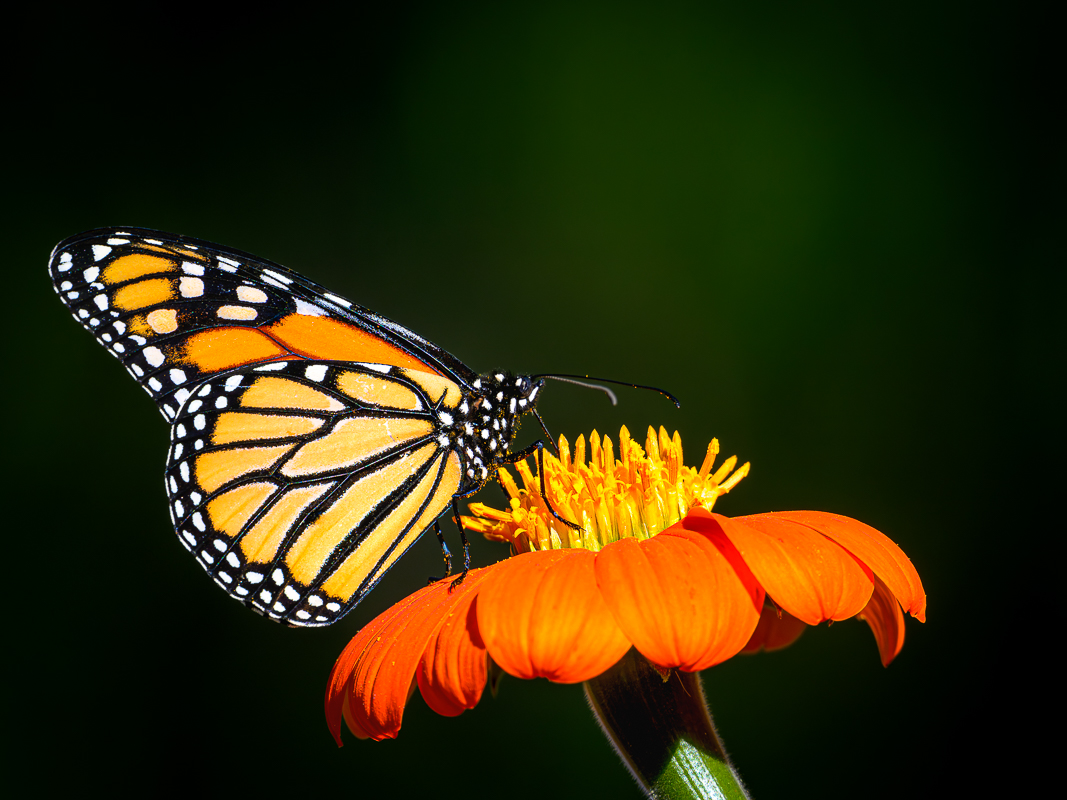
(828, 229)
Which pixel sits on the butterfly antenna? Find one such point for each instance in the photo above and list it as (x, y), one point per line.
(606, 390)
(611, 395)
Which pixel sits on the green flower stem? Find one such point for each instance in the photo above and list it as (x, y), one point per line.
(663, 731)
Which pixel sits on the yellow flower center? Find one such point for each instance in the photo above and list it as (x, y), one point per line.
(638, 494)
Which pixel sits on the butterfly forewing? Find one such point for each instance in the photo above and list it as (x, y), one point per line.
(297, 484)
(177, 311)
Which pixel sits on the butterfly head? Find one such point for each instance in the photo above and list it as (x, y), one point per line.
(503, 395)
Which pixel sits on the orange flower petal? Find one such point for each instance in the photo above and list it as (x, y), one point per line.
(372, 680)
(541, 616)
(873, 548)
(453, 669)
(776, 629)
(886, 619)
(342, 678)
(807, 574)
(350, 720)
(685, 598)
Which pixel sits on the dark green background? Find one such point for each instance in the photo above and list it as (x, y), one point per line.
(828, 229)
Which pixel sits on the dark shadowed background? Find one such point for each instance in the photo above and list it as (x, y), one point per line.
(830, 230)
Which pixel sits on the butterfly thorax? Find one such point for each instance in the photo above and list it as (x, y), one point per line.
(488, 419)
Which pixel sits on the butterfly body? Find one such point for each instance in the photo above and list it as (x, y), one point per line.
(312, 441)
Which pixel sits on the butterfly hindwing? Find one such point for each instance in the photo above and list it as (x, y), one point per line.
(177, 311)
(297, 484)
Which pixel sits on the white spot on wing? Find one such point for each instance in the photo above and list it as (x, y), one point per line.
(382, 368)
(316, 372)
(250, 294)
(339, 300)
(153, 355)
(308, 309)
(191, 287)
(277, 275)
(99, 251)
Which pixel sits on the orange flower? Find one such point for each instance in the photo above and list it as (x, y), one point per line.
(651, 568)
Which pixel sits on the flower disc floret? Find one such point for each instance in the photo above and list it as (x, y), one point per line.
(637, 495)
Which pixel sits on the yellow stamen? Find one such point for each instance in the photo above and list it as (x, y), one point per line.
(637, 495)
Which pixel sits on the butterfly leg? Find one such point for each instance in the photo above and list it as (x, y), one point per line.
(537, 449)
(548, 433)
(445, 552)
(466, 544)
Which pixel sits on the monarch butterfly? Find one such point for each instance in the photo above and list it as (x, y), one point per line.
(312, 441)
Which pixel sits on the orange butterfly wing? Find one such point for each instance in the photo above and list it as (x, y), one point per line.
(297, 484)
(177, 311)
